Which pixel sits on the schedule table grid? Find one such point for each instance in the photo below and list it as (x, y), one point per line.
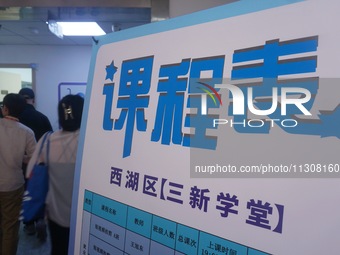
(113, 228)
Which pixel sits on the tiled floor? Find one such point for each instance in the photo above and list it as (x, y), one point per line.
(30, 245)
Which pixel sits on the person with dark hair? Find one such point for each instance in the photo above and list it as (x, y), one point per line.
(1, 116)
(62, 158)
(40, 124)
(32, 118)
(17, 146)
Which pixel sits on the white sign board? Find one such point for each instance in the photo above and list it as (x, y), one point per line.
(214, 133)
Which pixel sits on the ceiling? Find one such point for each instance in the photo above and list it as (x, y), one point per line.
(26, 24)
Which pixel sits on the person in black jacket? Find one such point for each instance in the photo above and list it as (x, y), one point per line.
(32, 118)
(40, 124)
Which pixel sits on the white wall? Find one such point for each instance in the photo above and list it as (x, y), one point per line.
(56, 64)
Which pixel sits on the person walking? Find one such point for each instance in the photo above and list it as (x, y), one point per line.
(31, 117)
(17, 146)
(40, 124)
(63, 145)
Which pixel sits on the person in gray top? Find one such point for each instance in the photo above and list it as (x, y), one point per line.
(62, 159)
(17, 146)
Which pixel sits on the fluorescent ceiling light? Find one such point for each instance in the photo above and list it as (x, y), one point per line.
(80, 28)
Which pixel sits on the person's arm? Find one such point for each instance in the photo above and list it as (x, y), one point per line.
(30, 146)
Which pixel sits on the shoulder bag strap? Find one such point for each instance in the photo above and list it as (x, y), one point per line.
(46, 135)
(48, 147)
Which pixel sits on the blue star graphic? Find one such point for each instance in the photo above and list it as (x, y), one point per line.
(110, 71)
